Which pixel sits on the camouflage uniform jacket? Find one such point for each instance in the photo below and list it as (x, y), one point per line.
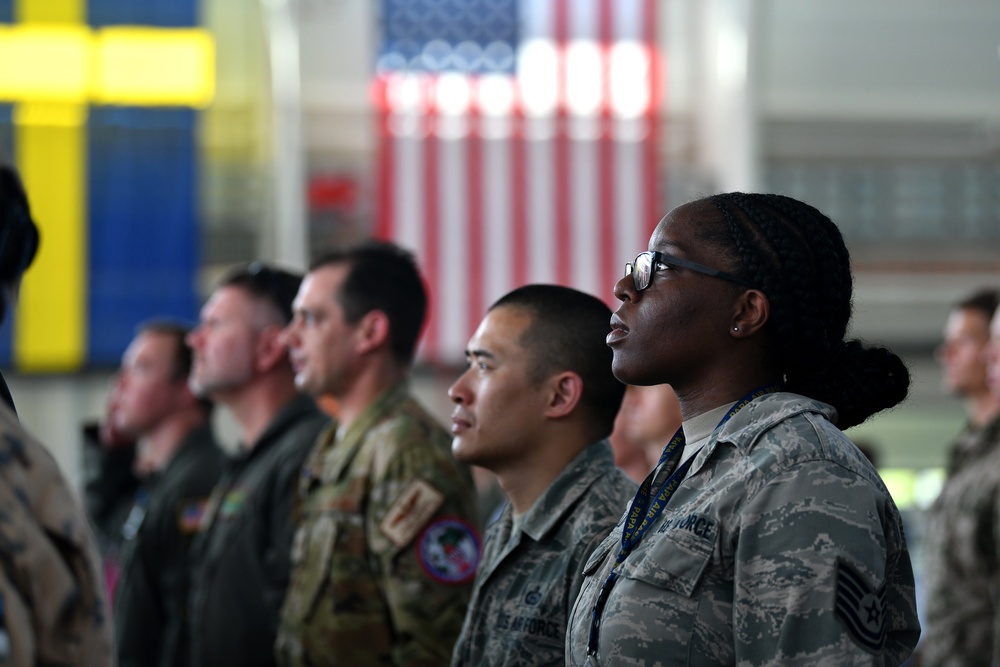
(53, 609)
(962, 557)
(241, 557)
(151, 605)
(387, 546)
(527, 582)
(780, 546)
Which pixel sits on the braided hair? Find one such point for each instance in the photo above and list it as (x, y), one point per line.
(797, 257)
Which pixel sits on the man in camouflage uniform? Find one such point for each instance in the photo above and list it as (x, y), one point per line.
(781, 498)
(182, 463)
(962, 555)
(53, 609)
(387, 544)
(536, 406)
(241, 555)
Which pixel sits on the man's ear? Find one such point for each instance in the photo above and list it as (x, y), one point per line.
(372, 332)
(565, 390)
(271, 348)
(752, 312)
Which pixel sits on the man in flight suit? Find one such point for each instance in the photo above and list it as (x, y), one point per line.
(183, 463)
(242, 554)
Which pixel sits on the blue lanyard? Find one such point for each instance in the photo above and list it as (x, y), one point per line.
(648, 507)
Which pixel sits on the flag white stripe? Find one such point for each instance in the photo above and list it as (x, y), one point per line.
(498, 220)
(585, 200)
(453, 237)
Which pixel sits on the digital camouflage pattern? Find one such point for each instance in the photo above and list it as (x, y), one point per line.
(527, 582)
(781, 546)
(962, 557)
(387, 544)
(54, 610)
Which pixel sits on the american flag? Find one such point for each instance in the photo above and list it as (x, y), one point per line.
(517, 145)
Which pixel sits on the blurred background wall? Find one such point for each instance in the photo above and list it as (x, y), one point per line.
(508, 142)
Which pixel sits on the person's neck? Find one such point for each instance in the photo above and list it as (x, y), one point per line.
(698, 400)
(982, 408)
(524, 481)
(257, 404)
(161, 445)
(372, 380)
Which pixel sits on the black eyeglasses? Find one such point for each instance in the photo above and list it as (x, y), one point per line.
(644, 266)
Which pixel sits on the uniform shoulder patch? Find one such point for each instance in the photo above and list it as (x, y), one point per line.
(449, 551)
(410, 512)
(860, 608)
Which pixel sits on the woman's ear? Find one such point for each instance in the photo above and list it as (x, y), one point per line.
(751, 314)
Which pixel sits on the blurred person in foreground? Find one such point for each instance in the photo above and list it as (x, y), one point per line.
(961, 570)
(182, 463)
(647, 419)
(53, 608)
(763, 536)
(536, 406)
(387, 543)
(242, 554)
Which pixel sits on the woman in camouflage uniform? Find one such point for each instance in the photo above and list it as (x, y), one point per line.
(763, 536)
(53, 609)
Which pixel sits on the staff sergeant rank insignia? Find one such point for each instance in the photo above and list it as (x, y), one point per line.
(860, 608)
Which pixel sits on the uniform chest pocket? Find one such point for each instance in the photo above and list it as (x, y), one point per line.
(675, 557)
(600, 554)
(312, 551)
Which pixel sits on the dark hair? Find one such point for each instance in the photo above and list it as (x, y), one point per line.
(276, 286)
(798, 258)
(18, 233)
(984, 301)
(568, 331)
(183, 354)
(382, 276)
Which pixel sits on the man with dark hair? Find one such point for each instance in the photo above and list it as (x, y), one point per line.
(387, 544)
(961, 563)
(536, 406)
(180, 463)
(242, 554)
(53, 609)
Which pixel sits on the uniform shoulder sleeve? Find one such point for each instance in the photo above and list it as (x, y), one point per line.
(822, 572)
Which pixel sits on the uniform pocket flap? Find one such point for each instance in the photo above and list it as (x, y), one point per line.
(673, 559)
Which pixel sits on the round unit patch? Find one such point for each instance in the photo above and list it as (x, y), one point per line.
(448, 550)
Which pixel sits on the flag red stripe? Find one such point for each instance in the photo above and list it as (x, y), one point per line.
(384, 227)
(563, 227)
(475, 266)
(608, 222)
(649, 146)
(432, 225)
(519, 198)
